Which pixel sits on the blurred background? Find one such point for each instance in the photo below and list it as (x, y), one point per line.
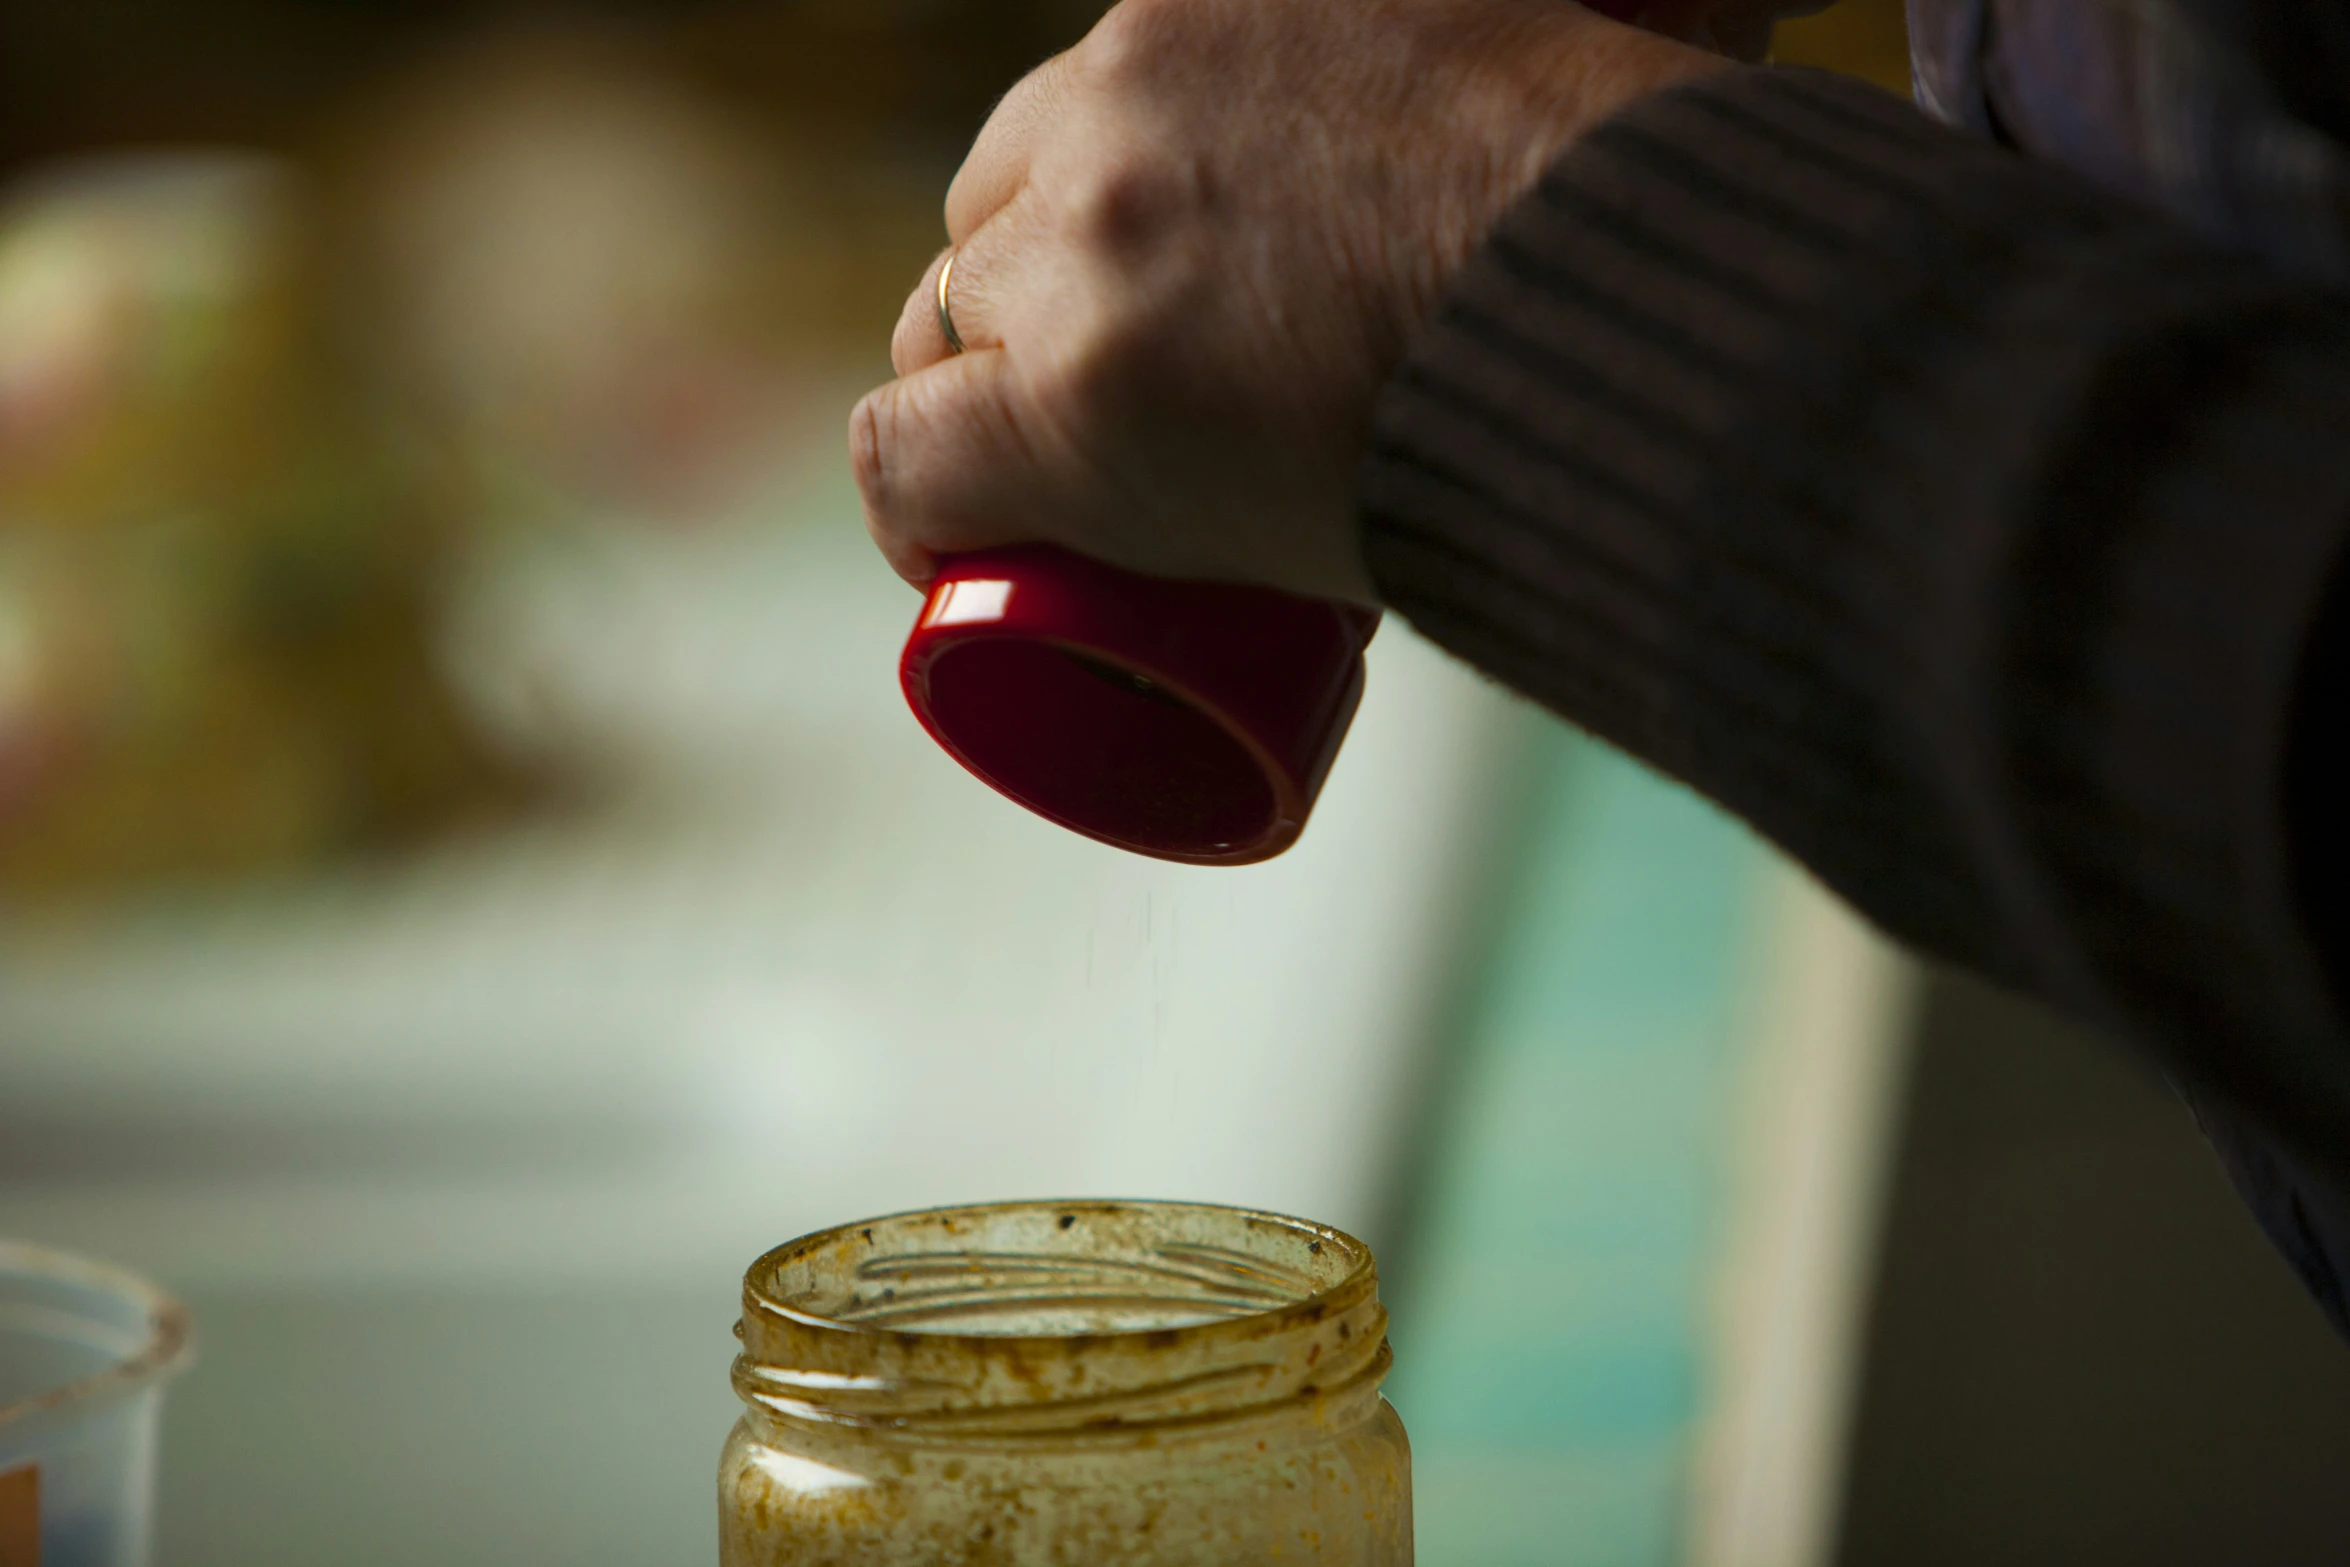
(468, 884)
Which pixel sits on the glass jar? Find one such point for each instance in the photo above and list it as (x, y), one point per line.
(1090, 1384)
(85, 1351)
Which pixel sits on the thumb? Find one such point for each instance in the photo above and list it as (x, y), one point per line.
(947, 459)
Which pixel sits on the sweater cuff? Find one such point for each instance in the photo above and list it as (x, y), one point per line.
(1956, 524)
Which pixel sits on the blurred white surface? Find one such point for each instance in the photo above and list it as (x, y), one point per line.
(460, 1160)
(798, 968)
(1818, 1110)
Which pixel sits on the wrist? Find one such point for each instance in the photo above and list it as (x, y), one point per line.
(1546, 75)
(1590, 69)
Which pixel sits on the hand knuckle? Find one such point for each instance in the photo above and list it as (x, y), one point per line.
(1127, 204)
(1125, 40)
(871, 427)
(902, 344)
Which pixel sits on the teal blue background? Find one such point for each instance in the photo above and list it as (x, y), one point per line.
(1549, 1320)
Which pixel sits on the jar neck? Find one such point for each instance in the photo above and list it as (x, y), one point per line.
(1038, 1318)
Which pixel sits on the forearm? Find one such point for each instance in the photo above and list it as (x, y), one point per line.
(1960, 527)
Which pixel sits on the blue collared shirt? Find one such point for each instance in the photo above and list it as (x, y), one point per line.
(2215, 111)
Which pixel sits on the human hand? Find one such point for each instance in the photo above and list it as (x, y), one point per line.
(1189, 252)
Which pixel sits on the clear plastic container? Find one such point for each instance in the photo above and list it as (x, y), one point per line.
(1100, 1383)
(85, 1350)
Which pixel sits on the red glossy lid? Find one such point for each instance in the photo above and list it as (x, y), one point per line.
(1191, 721)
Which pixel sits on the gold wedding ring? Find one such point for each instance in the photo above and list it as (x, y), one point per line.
(946, 316)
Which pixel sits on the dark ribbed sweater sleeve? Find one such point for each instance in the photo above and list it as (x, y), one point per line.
(1959, 526)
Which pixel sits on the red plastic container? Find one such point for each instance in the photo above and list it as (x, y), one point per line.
(1190, 721)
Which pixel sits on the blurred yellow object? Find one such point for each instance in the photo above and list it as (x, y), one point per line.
(1864, 38)
(591, 288)
(214, 587)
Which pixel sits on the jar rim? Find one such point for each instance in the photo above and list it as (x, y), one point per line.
(1243, 1326)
